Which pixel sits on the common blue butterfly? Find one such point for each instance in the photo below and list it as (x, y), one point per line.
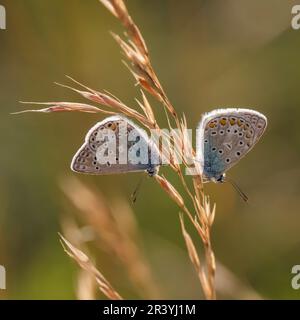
(116, 145)
(224, 137)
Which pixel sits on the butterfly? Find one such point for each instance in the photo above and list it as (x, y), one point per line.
(224, 136)
(116, 145)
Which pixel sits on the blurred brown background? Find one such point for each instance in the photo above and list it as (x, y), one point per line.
(208, 54)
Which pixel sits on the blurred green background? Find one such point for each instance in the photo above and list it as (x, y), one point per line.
(208, 54)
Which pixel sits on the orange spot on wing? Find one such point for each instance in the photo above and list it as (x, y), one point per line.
(111, 126)
(223, 121)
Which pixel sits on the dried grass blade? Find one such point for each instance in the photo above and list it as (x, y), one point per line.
(61, 107)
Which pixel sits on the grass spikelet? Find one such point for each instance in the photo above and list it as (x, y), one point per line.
(85, 263)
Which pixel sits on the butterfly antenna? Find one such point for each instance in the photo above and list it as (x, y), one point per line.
(238, 189)
(137, 189)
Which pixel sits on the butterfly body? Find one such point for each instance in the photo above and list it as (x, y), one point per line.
(225, 136)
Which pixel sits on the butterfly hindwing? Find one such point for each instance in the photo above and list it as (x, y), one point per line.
(104, 150)
(227, 136)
